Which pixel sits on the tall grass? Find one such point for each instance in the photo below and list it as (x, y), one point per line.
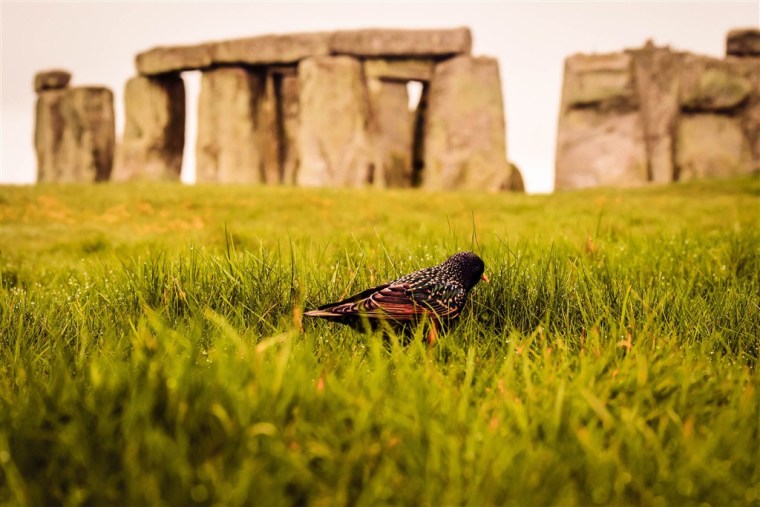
(611, 360)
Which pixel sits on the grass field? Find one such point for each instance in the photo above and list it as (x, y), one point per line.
(152, 350)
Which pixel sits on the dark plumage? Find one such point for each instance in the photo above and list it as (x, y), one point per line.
(437, 293)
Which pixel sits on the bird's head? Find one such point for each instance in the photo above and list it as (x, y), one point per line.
(467, 267)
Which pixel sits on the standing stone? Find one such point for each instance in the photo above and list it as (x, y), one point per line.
(289, 114)
(269, 125)
(392, 133)
(154, 130)
(48, 135)
(709, 84)
(657, 78)
(418, 148)
(87, 145)
(751, 111)
(50, 86)
(600, 139)
(600, 150)
(465, 145)
(515, 183)
(333, 137)
(230, 141)
(729, 88)
(711, 145)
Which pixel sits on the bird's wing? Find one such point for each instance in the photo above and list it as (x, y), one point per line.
(443, 299)
(399, 301)
(389, 301)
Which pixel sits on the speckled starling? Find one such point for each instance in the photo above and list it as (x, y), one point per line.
(437, 293)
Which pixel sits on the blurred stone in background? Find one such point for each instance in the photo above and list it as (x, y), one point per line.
(657, 115)
(74, 132)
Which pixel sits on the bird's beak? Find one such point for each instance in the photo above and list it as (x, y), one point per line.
(485, 278)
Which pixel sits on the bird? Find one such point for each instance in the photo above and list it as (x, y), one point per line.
(436, 294)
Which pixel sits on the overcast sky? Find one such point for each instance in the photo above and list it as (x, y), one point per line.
(97, 42)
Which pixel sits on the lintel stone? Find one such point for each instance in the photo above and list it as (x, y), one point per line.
(292, 48)
(411, 69)
(402, 43)
(743, 42)
(54, 79)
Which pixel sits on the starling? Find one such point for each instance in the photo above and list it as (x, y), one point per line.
(437, 293)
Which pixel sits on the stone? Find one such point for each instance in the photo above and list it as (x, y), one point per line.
(87, 144)
(292, 48)
(712, 85)
(600, 138)
(392, 133)
(751, 112)
(711, 145)
(402, 43)
(272, 49)
(418, 146)
(601, 81)
(515, 182)
(600, 149)
(743, 42)
(231, 140)
(268, 125)
(696, 116)
(262, 50)
(54, 79)
(464, 145)
(154, 129)
(399, 70)
(172, 59)
(48, 135)
(289, 115)
(333, 138)
(657, 79)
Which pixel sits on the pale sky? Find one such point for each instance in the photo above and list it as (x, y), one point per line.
(97, 42)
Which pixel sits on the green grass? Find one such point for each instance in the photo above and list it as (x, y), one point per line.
(152, 349)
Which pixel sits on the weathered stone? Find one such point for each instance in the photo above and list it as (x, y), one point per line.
(515, 182)
(603, 119)
(51, 80)
(272, 49)
(266, 49)
(230, 141)
(465, 146)
(657, 78)
(392, 133)
(399, 70)
(48, 135)
(333, 139)
(87, 144)
(708, 84)
(154, 130)
(291, 48)
(600, 149)
(418, 148)
(711, 145)
(267, 123)
(403, 43)
(288, 113)
(743, 42)
(751, 112)
(601, 81)
(169, 59)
